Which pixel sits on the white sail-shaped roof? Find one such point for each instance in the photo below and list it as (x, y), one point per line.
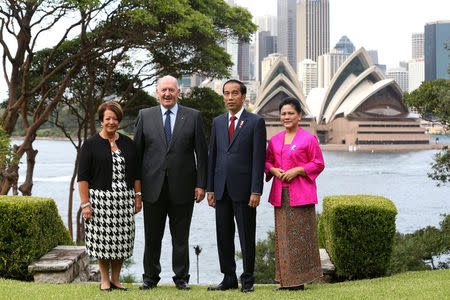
(281, 80)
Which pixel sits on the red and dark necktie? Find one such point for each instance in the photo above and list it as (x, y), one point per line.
(231, 128)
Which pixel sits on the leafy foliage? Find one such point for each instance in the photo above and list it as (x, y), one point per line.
(7, 155)
(208, 102)
(419, 250)
(432, 101)
(441, 167)
(358, 232)
(30, 228)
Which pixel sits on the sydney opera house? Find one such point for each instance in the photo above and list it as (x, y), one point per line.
(359, 107)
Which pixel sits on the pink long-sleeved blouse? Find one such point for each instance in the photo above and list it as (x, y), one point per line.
(304, 151)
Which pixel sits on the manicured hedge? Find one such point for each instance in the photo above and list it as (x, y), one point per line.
(358, 233)
(29, 228)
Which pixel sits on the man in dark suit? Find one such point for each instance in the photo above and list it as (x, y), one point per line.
(235, 183)
(173, 157)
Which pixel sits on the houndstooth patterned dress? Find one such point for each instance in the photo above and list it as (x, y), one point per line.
(110, 231)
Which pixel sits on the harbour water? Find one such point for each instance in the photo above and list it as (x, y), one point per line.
(399, 176)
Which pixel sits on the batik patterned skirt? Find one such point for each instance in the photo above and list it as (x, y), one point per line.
(296, 244)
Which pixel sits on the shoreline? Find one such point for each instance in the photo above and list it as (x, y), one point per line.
(328, 147)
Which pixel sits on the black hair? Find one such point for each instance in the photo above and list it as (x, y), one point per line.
(242, 86)
(292, 101)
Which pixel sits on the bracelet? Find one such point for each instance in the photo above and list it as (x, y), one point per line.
(85, 205)
(138, 193)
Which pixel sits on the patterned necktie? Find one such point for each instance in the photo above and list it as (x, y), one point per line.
(167, 127)
(231, 128)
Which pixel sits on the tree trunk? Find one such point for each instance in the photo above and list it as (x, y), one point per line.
(27, 186)
(10, 178)
(71, 191)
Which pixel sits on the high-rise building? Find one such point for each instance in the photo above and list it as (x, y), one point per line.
(313, 29)
(437, 58)
(267, 23)
(287, 30)
(400, 75)
(307, 75)
(344, 45)
(373, 56)
(252, 56)
(232, 48)
(243, 63)
(417, 46)
(327, 66)
(266, 44)
(267, 64)
(416, 73)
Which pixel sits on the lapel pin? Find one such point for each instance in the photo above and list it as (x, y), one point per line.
(241, 123)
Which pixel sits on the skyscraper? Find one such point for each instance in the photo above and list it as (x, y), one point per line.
(266, 44)
(437, 58)
(313, 29)
(373, 56)
(243, 63)
(400, 75)
(344, 45)
(267, 23)
(417, 45)
(287, 33)
(307, 75)
(327, 65)
(416, 73)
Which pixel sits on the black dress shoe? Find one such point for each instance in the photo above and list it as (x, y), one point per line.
(182, 285)
(297, 288)
(223, 287)
(247, 289)
(147, 286)
(115, 287)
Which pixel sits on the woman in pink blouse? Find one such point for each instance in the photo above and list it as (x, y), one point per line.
(294, 160)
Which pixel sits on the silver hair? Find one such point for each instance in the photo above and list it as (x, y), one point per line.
(166, 77)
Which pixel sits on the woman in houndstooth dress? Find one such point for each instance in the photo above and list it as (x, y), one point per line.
(109, 185)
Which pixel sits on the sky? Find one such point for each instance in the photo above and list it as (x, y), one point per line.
(383, 25)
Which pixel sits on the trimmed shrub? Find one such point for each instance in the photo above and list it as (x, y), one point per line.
(358, 233)
(29, 228)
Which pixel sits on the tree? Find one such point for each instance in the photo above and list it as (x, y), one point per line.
(432, 101)
(101, 79)
(208, 102)
(421, 249)
(177, 37)
(7, 156)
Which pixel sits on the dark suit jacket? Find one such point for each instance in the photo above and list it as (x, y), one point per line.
(239, 164)
(184, 161)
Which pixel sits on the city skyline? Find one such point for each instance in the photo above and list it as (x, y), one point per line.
(383, 25)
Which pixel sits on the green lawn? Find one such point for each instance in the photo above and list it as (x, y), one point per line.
(410, 285)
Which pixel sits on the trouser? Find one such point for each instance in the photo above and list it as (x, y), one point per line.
(155, 215)
(226, 211)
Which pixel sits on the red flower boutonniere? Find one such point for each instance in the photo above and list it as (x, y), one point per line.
(241, 123)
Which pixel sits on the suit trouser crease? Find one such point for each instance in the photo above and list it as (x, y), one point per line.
(155, 215)
(226, 211)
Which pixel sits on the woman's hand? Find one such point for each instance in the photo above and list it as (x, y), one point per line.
(277, 172)
(137, 203)
(87, 212)
(290, 174)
